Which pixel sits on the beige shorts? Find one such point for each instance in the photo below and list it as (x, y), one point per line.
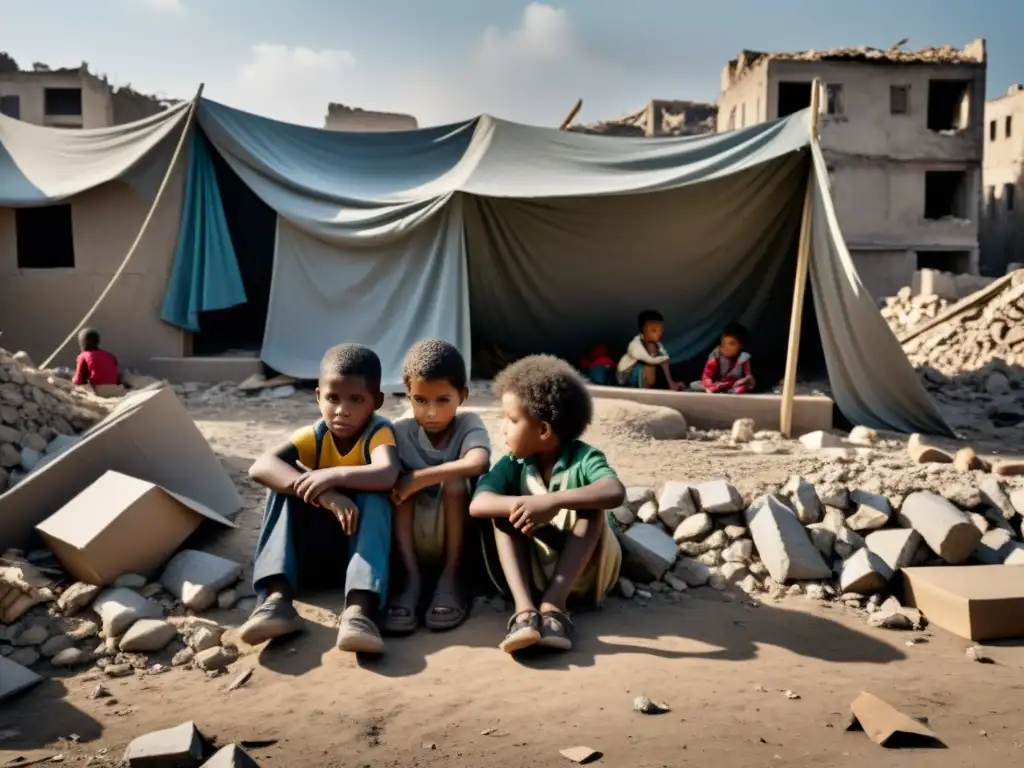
(428, 524)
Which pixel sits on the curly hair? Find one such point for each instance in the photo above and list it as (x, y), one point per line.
(648, 316)
(352, 360)
(551, 390)
(434, 360)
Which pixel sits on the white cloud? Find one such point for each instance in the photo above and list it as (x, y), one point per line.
(166, 5)
(533, 72)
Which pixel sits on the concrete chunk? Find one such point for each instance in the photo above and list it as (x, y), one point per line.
(804, 498)
(871, 511)
(624, 516)
(637, 496)
(995, 547)
(784, 545)
(196, 577)
(743, 431)
(864, 573)
(1017, 500)
(718, 498)
(648, 551)
(1016, 557)
(896, 547)
(948, 531)
(120, 608)
(740, 551)
(695, 574)
(77, 597)
(694, 528)
(148, 636)
(231, 756)
(993, 493)
(178, 747)
(675, 504)
(648, 512)
(815, 441)
(823, 538)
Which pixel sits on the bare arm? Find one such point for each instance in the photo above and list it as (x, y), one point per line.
(475, 463)
(277, 469)
(378, 476)
(639, 352)
(608, 493)
(489, 505)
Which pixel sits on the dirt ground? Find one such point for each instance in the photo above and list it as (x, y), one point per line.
(722, 664)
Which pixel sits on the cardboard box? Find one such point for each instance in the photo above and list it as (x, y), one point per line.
(149, 436)
(121, 524)
(977, 602)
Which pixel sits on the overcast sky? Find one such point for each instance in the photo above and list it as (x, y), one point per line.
(446, 60)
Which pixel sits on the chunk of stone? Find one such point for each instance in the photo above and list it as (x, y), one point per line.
(864, 573)
(833, 519)
(196, 577)
(120, 608)
(29, 458)
(894, 620)
(695, 574)
(71, 657)
(61, 443)
(178, 747)
(980, 522)
(148, 636)
(1017, 500)
(718, 498)
(648, 513)
(77, 597)
(895, 547)
(750, 585)
(815, 441)
(865, 436)
(130, 581)
(995, 546)
(848, 542)
(805, 499)
(33, 635)
(227, 599)
(231, 756)
(55, 645)
(740, 551)
(717, 540)
(676, 503)
(994, 494)
(624, 516)
(966, 460)
(947, 530)
(871, 511)
(118, 670)
(1016, 557)
(695, 528)
(637, 496)
(627, 588)
(213, 659)
(734, 572)
(823, 538)
(648, 550)
(83, 631)
(734, 532)
(25, 656)
(205, 638)
(710, 557)
(836, 497)
(182, 657)
(764, 448)
(743, 430)
(783, 544)
(675, 582)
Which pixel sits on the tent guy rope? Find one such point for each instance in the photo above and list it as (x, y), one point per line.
(142, 230)
(803, 258)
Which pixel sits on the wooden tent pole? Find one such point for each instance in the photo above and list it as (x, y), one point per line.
(571, 116)
(803, 258)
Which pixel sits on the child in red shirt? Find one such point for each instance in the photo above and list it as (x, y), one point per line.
(728, 367)
(95, 366)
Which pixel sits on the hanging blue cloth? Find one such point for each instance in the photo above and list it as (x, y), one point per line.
(205, 274)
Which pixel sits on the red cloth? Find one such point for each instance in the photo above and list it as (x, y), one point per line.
(597, 356)
(714, 380)
(96, 367)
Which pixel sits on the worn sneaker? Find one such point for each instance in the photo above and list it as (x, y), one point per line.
(357, 633)
(274, 617)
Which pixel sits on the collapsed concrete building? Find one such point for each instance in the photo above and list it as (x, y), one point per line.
(1002, 223)
(354, 120)
(70, 97)
(903, 134)
(660, 117)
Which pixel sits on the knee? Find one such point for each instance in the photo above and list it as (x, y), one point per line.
(456, 492)
(589, 515)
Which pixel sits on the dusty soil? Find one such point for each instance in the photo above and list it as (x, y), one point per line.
(454, 699)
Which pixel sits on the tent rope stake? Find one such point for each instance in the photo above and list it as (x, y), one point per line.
(800, 287)
(186, 128)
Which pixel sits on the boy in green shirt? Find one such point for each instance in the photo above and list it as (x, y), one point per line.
(547, 499)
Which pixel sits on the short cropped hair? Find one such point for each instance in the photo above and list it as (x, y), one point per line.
(89, 339)
(352, 360)
(551, 390)
(735, 331)
(648, 316)
(434, 360)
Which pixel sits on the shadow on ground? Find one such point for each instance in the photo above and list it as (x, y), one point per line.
(40, 717)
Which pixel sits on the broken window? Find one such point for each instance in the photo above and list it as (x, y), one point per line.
(793, 97)
(834, 99)
(991, 130)
(1009, 125)
(957, 262)
(1008, 193)
(63, 101)
(945, 194)
(948, 104)
(44, 237)
(899, 99)
(11, 106)
(990, 201)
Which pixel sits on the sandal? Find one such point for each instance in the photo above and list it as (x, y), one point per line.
(400, 619)
(523, 632)
(555, 630)
(445, 612)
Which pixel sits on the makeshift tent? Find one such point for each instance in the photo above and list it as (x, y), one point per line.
(531, 238)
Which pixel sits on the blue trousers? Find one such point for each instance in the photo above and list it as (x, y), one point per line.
(306, 545)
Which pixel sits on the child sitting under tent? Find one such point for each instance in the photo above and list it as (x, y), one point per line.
(645, 356)
(727, 370)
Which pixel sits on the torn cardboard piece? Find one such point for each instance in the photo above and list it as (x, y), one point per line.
(149, 436)
(580, 755)
(121, 524)
(978, 602)
(887, 726)
(15, 678)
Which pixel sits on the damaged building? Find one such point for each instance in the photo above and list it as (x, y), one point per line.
(902, 132)
(354, 120)
(660, 117)
(1002, 222)
(69, 97)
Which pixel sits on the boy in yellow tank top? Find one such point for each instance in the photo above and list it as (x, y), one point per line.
(329, 488)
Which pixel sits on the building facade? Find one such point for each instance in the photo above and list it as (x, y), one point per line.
(660, 117)
(1002, 176)
(342, 118)
(902, 133)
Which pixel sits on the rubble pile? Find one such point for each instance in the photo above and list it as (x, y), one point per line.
(905, 311)
(830, 535)
(136, 626)
(40, 415)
